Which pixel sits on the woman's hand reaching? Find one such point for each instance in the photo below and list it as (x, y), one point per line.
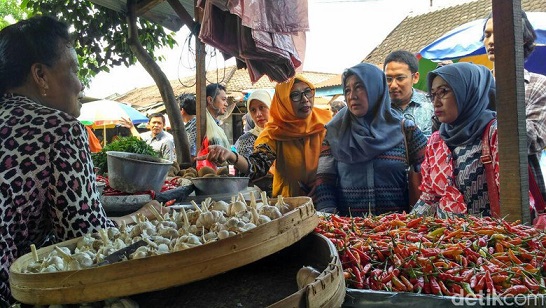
(218, 155)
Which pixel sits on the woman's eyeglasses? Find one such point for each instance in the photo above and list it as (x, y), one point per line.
(297, 96)
(440, 93)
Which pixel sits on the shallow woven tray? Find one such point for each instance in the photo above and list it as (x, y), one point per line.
(163, 271)
(268, 282)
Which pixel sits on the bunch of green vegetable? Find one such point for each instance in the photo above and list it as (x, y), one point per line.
(129, 144)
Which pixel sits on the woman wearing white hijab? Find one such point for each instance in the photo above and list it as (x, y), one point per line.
(258, 107)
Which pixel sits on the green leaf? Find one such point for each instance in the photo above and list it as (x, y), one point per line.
(129, 144)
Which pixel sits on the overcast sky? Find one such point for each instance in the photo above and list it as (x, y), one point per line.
(342, 33)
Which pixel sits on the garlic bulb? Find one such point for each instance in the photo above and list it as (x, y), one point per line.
(282, 206)
(223, 234)
(271, 211)
(236, 207)
(306, 275)
(221, 206)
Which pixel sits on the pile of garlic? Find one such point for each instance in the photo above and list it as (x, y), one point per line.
(175, 231)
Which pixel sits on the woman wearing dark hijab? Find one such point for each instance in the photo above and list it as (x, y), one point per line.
(454, 178)
(362, 166)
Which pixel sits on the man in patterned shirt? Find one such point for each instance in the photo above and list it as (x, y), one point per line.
(402, 70)
(157, 138)
(535, 96)
(187, 110)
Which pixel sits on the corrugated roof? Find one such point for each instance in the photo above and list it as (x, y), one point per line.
(235, 80)
(160, 13)
(330, 82)
(416, 32)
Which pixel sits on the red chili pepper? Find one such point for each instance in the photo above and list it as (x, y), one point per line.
(513, 257)
(444, 289)
(354, 258)
(480, 284)
(380, 255)
(446, 276)
(533, 245)
(457, 289)
(364, 258)
(340, 232)
(471, 255)
(482, 241)
(366, 269)
(430, 252)
(340, 244)
(419, 284)
(414, 222)
(489, 285)
(499, 247)
(515, 290)
(397, 261)
(427, 288)
(531, 284)
(434, 286)
(473, 281)
(376, 273)
(359, 284)
(339, 219)
(398, 284)
(499, 278)
(387, 277)
(170, 202)
(525, 255)
(407, 283)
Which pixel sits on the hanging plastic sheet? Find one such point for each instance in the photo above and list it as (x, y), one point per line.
(266, 35)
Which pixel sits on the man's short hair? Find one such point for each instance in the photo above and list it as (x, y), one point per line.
(187, 102)
(213, 88)
(529, 34)
(337, 105)
(157, 115)
(403, 56)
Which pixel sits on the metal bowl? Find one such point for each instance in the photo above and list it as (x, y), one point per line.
(219, 185)
(130, 172)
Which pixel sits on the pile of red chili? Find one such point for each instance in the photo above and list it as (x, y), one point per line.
(468, 256)
(109, 191)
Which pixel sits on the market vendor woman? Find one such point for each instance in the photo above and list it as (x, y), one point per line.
(48, 191)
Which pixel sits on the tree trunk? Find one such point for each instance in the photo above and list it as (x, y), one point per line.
(173, 111)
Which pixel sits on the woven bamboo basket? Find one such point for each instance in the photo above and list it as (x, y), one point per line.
(269, 282)
(328, 289)
(162, 271)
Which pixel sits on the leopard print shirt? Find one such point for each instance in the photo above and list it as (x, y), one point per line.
(47, 182)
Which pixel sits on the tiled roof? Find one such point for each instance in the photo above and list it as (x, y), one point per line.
(416, 32)
(235, 80)
(330, 82)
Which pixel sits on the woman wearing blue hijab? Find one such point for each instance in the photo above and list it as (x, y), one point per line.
(454, 179)
(362, 165)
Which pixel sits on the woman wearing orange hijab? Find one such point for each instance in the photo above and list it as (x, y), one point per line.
(94, 142)
(291, 139)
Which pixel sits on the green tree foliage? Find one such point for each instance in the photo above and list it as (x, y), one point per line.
(101, 34)
(10, 11)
